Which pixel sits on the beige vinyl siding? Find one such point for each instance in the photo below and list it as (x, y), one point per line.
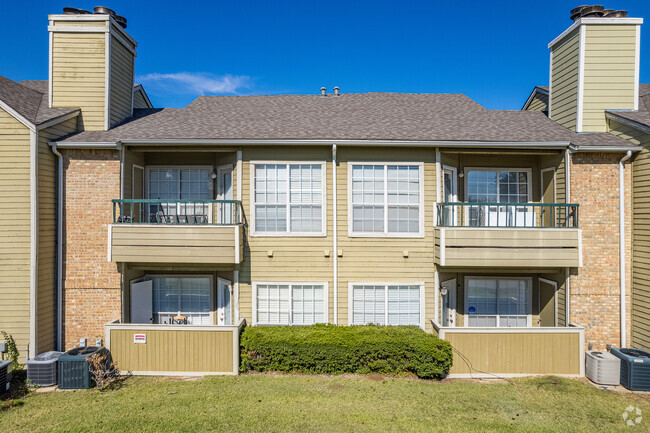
(609, 72)
(131, 158)
(564, 80)
(166, 350)
(513, 352)
(47, 225)
(78, 75)
(14, 229)
(532, 248)
(122, 64)
(293, 258)
(175, 244)
(381, 259)
(640, 234)
(539, 103)
(139, 100)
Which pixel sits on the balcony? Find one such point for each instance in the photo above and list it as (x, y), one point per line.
(538, 235)
(176, 231)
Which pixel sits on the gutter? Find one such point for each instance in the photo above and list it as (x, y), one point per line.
(59, 249)
(335, 253)
(621, 248)
(328, 142)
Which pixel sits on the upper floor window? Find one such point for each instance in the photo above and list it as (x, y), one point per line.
(498, 186)
(179, 183)
(289, 199)
(386, 199)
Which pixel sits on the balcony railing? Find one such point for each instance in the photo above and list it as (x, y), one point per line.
(176, 212)
(524, 215)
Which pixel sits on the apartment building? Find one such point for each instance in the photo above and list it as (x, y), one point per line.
(163, 231)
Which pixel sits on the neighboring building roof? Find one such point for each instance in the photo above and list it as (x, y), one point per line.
(367, 116)
(539, 92)
(144, 100)
(29, 99)
(639, 119)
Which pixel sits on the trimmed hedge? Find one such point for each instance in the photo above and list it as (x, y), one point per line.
(330, 349)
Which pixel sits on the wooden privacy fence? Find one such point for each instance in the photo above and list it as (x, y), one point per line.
(172, 350)
(485, 352)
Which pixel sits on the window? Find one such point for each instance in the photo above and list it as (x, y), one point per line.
(385, 199)
(289, 198)
(290, 303)
(498, 302)
(187, 296)
(498, 186)
(382, 304)
(179, 183)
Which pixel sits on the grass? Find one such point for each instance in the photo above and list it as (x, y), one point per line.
(269, 403)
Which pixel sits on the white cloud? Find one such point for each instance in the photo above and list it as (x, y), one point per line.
(196, 83)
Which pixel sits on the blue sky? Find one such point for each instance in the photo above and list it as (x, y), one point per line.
(494, 52)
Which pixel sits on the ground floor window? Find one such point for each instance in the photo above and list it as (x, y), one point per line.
(290, 303)
(498, 302)
(386, 304)
(185, 296)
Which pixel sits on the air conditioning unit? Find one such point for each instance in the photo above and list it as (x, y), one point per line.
(74, 368)
(603, 368)
(635, 368)
(42, 369)
(5, 376)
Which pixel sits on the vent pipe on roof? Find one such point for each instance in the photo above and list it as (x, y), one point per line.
(323, 91)
(336, 91)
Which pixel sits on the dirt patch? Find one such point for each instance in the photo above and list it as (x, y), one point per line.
(185, 378)
(376, 377)
(336, 386)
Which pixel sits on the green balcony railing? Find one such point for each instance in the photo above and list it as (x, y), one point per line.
(525, 215)
(162, 211)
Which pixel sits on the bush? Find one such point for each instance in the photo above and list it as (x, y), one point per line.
(330, 349)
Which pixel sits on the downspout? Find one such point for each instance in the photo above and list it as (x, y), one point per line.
(59, 249)
(567, 199)
(335, 253)
(621, 233)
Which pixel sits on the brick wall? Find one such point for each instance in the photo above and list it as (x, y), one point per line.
(595, 287)
(92, 285)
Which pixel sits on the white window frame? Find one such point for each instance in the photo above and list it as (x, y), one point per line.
(288, 232)
(529, 301)
(213, 288)
(175, 167)
(326, 306)
(385, 233)
(529, 171)
(421, 284)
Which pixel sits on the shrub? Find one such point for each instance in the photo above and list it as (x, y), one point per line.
(12, 350)
(330, 349)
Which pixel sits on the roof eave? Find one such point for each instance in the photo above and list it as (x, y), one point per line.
(628, 122)
(303, 142)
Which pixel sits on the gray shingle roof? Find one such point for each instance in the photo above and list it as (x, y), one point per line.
(367, 116)
(642, 116)
(30, 100)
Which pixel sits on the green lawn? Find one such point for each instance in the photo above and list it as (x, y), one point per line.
(300, 403)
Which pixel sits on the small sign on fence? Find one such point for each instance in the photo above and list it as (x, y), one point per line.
(140, 338)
